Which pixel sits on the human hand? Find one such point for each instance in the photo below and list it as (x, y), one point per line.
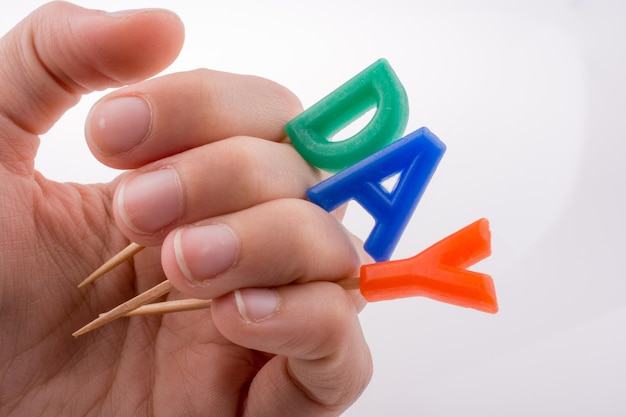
(226, 208)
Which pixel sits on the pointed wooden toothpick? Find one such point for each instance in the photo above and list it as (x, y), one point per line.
(170, 307)
(121, 257)
(130, 305)
(139, 306)
(176, 306)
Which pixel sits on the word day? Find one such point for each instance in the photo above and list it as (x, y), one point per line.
(362, 163)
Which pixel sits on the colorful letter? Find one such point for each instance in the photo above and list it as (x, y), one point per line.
(438, 272)
(414, 157)
(377, 86)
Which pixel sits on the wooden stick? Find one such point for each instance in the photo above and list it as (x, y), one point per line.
(196, 304)
(170, 307)
(349, 283)
(121, 257)
(139, 306)
(130, 305)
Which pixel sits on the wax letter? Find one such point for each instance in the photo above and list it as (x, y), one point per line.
(414, 157)
(377, 86)
(438, 272)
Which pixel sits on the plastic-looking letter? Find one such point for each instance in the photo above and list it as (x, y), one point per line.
(415, 157)
(376, 86)
(438, 272)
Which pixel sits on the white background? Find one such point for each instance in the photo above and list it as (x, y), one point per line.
(530, 98)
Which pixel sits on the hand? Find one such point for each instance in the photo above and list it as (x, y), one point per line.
(223, 214)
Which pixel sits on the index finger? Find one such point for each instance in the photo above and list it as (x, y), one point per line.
(167, 115)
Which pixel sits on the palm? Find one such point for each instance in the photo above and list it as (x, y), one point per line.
(138, 360)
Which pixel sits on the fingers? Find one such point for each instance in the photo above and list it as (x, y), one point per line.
(205, 182)
(324, 362)
(61, 51)
(271, 244)
(164, 116)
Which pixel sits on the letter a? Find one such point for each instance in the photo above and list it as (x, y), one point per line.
(377, 87)
(415, 157)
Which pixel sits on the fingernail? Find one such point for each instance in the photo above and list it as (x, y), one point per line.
(203, 252)
(257, 304)
(149, 202)
(119, 124)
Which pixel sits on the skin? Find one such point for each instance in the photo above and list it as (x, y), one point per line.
(281, 339)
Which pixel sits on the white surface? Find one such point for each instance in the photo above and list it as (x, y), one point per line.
(529, 97)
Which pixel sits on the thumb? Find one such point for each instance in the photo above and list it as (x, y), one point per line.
(61, 51)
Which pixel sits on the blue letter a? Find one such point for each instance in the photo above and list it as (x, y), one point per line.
(414, 157)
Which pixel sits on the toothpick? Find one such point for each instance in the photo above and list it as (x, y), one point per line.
(170, 307)
(139, 306)
(130, 305)
(349, 283)
(197, 304)
(125, 254)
